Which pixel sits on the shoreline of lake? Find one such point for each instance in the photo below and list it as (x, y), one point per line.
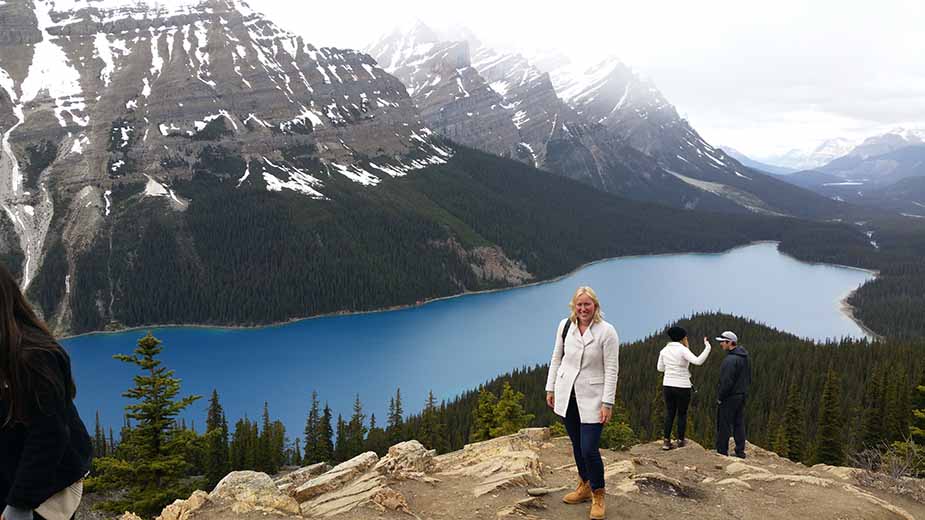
(845, 307)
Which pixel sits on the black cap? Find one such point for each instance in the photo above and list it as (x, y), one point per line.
(677, 333)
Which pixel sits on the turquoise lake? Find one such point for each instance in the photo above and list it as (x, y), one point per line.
(452, 345)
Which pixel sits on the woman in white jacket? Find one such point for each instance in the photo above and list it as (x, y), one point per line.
(581, 387)
(674, 361)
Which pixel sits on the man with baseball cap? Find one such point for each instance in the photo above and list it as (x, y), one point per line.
(734, 377)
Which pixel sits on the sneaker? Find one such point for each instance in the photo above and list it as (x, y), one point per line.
(667, 445)
(682, 443)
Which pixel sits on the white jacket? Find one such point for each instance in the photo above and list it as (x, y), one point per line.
(588, 363)
(674, 360)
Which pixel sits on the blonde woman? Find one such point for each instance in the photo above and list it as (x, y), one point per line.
(581, 387)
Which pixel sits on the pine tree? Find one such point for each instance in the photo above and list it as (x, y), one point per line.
(893, 416)
(277, 439)
(216, 458)
(312, 434)
(917, 422)
(396, 421)
(831, 449)
(873, 415)
(779, 443)
(151, 465)
(297, 456)
(99, 438)
(484, 418)
(377, 439)
(433, 434)
(340, 444)
(509, 413)
(326, 436)
(112, 443)
(356, 430)
(793, 426)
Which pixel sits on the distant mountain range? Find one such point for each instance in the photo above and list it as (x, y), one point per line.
(757, 165)
(832, 149)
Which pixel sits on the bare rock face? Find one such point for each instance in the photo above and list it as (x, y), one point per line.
(288, 483)
(406, 460)
(336, 477)
(184, 509)
(253, 491)
(498, 463)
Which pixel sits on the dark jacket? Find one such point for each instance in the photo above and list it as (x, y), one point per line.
(49, 453)
(735, 374)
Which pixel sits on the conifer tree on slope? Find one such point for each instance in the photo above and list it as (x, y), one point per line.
(917, 424)
(873, 433)
(356, 430)
(484, 420)
(216, 463)
(340, 442)
(325, 436)
(395, 421)
(312, 433)
(433, 433)
(793, 425)
(151, 465)
(831, 449)
(509, 413)
(99, 438)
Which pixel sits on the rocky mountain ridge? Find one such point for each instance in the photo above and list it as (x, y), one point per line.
(99, 96)
(523, 476)
(600, 123)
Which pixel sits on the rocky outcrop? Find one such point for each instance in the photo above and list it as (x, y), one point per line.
(510, 461)
(523, 477)
(251, 491)
(289, 482)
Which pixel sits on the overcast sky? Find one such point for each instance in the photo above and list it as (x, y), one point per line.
(763, 77)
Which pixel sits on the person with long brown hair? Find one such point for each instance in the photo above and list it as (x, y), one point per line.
(45, 450)
(581, 388)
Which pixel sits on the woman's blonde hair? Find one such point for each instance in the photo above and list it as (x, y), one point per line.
(585, 290)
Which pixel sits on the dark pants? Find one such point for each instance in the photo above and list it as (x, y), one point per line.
(676, 402)
(730, 416)
(586, 441)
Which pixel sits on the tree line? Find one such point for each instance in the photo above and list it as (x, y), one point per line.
(363, 249)
(811, 402)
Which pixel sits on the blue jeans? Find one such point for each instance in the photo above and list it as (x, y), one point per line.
(586, 441)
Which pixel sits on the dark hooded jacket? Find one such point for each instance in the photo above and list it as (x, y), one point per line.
(735, 374)
(49, 453)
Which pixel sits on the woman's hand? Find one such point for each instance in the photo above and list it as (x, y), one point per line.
(706, 342)
(606, 414)
(551, 399)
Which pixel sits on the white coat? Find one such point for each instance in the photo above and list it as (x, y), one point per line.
(674, 360)
(588, 363)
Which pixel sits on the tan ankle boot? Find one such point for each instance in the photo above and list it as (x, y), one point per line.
(581, 494)
(597, 504)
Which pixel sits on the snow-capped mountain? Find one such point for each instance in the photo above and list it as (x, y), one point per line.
(808, 159)
(597, 122)
(455, 97)
(96, 96)
(888, 142)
